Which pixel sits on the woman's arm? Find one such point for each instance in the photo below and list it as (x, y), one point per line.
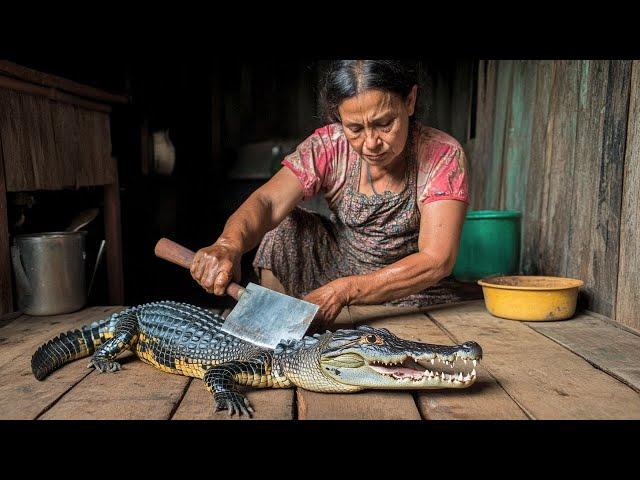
(263, 210)
(215, 266)
(440, 229)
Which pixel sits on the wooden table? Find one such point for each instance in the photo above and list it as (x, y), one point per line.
(585, 368)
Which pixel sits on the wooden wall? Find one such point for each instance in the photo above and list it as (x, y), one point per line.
(558, 141)
(265, 100)
(55, 134)
(49, 145)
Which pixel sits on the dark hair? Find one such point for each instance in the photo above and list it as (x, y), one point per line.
(347, 78)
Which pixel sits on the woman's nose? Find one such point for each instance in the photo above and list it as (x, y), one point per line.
(372, 140)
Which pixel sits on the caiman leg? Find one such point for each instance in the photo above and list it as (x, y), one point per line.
(221, 380)
(124, 337)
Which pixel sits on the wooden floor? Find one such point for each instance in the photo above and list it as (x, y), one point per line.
(585, 368)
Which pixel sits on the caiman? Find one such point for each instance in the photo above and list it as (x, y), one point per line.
(187, 340)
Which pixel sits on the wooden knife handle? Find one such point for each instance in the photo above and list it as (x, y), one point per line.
(176, 253)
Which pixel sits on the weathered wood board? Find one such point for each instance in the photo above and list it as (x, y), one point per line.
(21, 395)
(601, 343)
(532, 219)
(591, 100)
(628, 300)
(547, 380)
(559, 161)
(138, 391)
(605, 239)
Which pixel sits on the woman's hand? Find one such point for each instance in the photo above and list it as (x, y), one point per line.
(331, 298)
(215, 266)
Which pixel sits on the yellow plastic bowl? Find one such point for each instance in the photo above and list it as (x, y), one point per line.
(531, 298)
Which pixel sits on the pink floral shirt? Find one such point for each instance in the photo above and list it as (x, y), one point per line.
(323, 160)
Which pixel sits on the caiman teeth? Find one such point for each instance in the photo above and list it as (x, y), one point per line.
(406, 372)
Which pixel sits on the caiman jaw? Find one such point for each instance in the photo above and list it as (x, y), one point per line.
(457, 372)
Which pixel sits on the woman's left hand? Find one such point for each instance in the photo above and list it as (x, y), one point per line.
(331, 298)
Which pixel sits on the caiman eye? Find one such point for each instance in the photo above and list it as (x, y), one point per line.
(372, 338)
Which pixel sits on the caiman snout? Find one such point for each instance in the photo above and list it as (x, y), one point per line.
(375, 358)
(472, 349)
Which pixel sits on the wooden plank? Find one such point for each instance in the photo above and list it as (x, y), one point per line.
(628, 300)
(492, 187)
(86, 174)
(104, 164)
(13, 132)
(440, 110)
(95, 164)
(137, 392)
(66, 132)
(547, 380)
(50, 145)
(365, 405)
(6, 286)
(533, 213)
(559, 165)
(480, 161)
(52, 172)
(31, 139)
(605, 238)
(49, 80)
(29, 332)
(461, 100)
(593, 86)
(485, 399)
(603, 345)
(50, 94)
(269, 404)
(518, 136)
(113, 234)
(21, 395)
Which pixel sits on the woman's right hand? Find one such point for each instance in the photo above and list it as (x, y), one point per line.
(214, 267)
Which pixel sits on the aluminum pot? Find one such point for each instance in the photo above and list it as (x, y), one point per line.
(50, 272)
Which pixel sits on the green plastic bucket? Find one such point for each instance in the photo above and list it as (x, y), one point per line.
(490, 245)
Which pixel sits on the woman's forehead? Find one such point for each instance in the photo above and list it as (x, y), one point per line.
(369, 104)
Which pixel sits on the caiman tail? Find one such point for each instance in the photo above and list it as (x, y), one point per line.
(70, 346)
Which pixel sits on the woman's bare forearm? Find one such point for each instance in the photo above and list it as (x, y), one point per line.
(262, 211)
(405, 277)
(246, 227)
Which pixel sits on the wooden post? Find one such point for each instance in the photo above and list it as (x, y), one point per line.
(112, 229)
(6, 289)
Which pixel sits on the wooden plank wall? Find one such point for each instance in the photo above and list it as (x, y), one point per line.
(263, 100)
(6, 287)
(557, 140)
(49, 145)
(627, 300)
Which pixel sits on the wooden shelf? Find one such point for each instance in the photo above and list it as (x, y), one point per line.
(56, 134)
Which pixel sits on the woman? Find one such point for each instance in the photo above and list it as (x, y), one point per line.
(398, 192)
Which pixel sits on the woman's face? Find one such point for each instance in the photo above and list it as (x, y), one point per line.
(376, 124)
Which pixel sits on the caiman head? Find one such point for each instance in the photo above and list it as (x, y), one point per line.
(374, 358)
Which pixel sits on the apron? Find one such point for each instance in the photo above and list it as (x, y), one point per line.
(363, 234)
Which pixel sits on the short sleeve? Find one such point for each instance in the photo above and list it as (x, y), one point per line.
(312, 161)
(447, 177)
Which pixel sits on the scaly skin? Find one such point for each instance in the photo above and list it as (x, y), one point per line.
(188, 340)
